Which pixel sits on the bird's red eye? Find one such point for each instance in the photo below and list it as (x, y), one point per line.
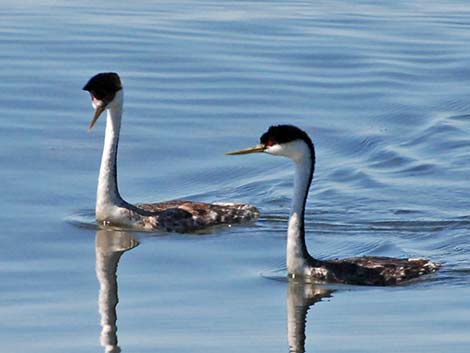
(269, 143)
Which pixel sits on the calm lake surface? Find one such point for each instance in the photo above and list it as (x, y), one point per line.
(383, 89)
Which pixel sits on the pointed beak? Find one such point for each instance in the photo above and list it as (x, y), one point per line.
(255, 149)
(99, 109)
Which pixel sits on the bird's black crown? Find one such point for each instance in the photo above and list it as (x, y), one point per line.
(104, 85)
(279, 134)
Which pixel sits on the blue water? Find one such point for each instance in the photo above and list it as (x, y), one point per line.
(382, 88)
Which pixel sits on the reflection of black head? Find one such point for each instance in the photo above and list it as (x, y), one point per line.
(104, 86)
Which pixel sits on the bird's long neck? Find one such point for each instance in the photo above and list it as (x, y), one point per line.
(108, 192)
(297, 254)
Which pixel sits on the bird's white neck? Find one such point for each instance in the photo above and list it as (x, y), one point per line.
(108, 196)
(297, 255)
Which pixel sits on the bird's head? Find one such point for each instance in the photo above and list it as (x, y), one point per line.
(283, 140)
(103, 88)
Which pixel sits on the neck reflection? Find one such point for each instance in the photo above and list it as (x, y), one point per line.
(110, 245)
(300, 296)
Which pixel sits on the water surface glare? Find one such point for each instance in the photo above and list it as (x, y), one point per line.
(381, 88)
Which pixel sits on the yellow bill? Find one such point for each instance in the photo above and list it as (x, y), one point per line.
(100, 109)
(257, 148)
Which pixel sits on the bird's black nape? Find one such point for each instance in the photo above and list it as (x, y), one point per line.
(279, 134)
(103, 85)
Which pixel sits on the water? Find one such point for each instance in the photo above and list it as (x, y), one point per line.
(381, 88)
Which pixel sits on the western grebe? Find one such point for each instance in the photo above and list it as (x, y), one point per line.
(181, 216)
(293, 143)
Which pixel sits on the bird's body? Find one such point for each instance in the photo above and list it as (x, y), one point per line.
(111, 209)
(289, 141)
(369, 270)
(186, 216)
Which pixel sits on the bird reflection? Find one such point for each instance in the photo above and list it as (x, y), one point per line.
(300, 296)
(110, 245)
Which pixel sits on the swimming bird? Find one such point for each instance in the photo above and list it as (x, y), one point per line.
(291, 142)
(106, 92)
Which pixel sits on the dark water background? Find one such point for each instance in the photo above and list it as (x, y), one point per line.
(382, 88)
